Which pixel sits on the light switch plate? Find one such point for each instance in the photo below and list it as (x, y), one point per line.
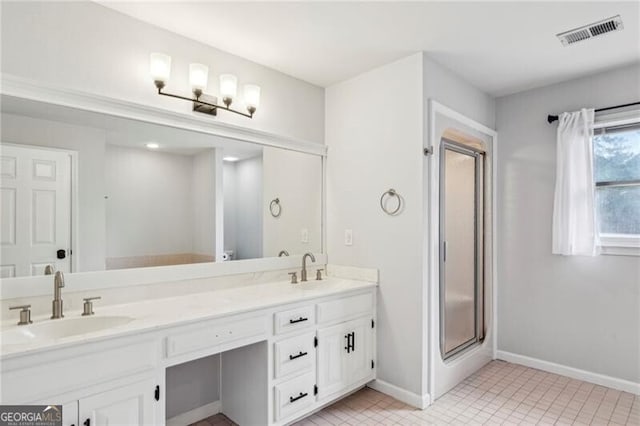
(348, 237)
(304, 235)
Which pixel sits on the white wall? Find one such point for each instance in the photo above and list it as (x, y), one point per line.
(85, 46)
(90, 145)
(203, 180)
(449, 89)
(150, 204)
(295, 178)
(372, 149)
(581, 312)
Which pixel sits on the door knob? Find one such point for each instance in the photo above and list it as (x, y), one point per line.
(61, 254)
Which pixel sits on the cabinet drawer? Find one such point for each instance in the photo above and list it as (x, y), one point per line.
(213, 334)
(348, 307)
(294, 319)
(293, 396)
(296, 354)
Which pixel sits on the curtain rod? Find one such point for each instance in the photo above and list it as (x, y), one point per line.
(552, 118)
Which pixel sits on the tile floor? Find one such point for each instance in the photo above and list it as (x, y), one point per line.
(498, 394)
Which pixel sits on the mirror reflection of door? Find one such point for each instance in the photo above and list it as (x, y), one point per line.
(36, 210)
(461, 232)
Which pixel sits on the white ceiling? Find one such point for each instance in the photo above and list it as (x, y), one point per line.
(500, 47)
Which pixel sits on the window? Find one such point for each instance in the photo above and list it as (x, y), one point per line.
(616, 148)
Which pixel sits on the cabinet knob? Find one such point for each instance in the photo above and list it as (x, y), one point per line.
(87, 422)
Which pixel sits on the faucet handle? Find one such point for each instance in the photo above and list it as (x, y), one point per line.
(319, 274)
(87, 306)
(25, 314)
(294, 277)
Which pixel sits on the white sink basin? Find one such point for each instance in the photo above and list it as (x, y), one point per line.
(58, 329)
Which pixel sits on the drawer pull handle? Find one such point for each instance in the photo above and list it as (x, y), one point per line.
(301, 354)
(294, 399)
(292, 321)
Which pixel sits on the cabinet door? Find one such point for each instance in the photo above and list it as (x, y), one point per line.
(70, 414)
(359, 358)
(131, 405)
(339, 367)
(332, 362)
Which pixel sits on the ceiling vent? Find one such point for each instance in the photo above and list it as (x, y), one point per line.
(592, 30)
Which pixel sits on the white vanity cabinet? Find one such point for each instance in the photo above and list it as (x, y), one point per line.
(335, 355)
(131, 405)
(279, 362)
(345, 355)
(70, 414)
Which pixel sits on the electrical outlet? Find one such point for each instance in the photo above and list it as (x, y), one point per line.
(348, 237)
(304, 235)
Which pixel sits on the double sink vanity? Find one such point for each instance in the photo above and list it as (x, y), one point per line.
(285, 350)
(176, 233)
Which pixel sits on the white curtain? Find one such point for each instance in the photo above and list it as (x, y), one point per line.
(574, 222)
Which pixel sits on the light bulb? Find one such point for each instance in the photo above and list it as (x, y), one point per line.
(198, 76)
(228, 88)
(160, 68)
(252, 97)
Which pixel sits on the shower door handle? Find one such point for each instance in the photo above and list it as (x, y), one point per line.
(444, 251)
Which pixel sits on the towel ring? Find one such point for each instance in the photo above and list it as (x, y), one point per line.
(390, 193)
(275, 208)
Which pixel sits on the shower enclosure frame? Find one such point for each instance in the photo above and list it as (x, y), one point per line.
(431, 272)
(479, 158)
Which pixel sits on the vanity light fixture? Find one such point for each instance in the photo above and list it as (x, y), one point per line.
(152, 145)
(160, 70)
(230, 159)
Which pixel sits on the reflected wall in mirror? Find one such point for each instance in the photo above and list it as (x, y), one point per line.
(252, 184)
(86, 192)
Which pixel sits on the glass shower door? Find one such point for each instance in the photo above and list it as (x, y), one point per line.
(461, 248)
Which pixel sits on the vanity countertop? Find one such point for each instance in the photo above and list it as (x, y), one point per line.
(150, 315)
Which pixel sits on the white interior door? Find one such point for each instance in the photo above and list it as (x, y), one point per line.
(35, 210)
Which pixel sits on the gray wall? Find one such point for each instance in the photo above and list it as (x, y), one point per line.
(248, 209)
(577, 311)
(192, 385)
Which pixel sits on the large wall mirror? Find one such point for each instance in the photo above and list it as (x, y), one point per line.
(84, 192)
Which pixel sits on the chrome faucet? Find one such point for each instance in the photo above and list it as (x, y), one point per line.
(58, 283)
(303, 273)
(283, 253)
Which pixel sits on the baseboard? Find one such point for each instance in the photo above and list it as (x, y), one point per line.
(574, 373)
(413, 399)
(195, 415)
